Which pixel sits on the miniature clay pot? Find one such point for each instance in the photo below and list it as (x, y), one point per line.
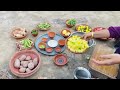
(51, 34)
(58, 49)
(42, 43)
(61, 42)
(49, 49)
(35, 33)
(44, 40)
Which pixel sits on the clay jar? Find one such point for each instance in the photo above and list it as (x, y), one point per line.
(44, 40)
(58, 49)
(42, 43)
(61, 42)
(51, 34)
(49, 49)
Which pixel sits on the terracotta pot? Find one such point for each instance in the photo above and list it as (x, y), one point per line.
(60, 59)
(42, 43)
(44, 40)
(51, 34)
(49, 50)
(15, 71)
(34, 34)
(58, 49)
(65, 36)
(61, 42)
(69, 26)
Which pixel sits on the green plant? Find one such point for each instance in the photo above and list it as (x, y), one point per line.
(44, 26)
(71, 22)
(34, 32)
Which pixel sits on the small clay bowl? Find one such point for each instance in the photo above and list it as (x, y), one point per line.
(58, 49)
(44, 40)
(51, 34)
(42, 43)
(60, 59)
(34, 34)
(69, 26)
(49, 49)
(61, 42)
(65, 36)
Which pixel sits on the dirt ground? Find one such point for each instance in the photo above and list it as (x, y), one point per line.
(29, 20)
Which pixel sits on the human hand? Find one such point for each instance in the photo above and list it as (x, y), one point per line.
(110, 59)
(87, 36)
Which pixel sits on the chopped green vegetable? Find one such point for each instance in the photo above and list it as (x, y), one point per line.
(71, 22)
(34, 32)
(27, 43)
(44, 26)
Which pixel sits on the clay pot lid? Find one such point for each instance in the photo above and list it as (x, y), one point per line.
(49, 49)
(60, 59)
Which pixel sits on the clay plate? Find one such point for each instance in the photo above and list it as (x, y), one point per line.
(60, 59)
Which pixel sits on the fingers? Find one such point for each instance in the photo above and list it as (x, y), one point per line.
(105, 56)
(105, 62)
(109, 56)
(84, 37)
